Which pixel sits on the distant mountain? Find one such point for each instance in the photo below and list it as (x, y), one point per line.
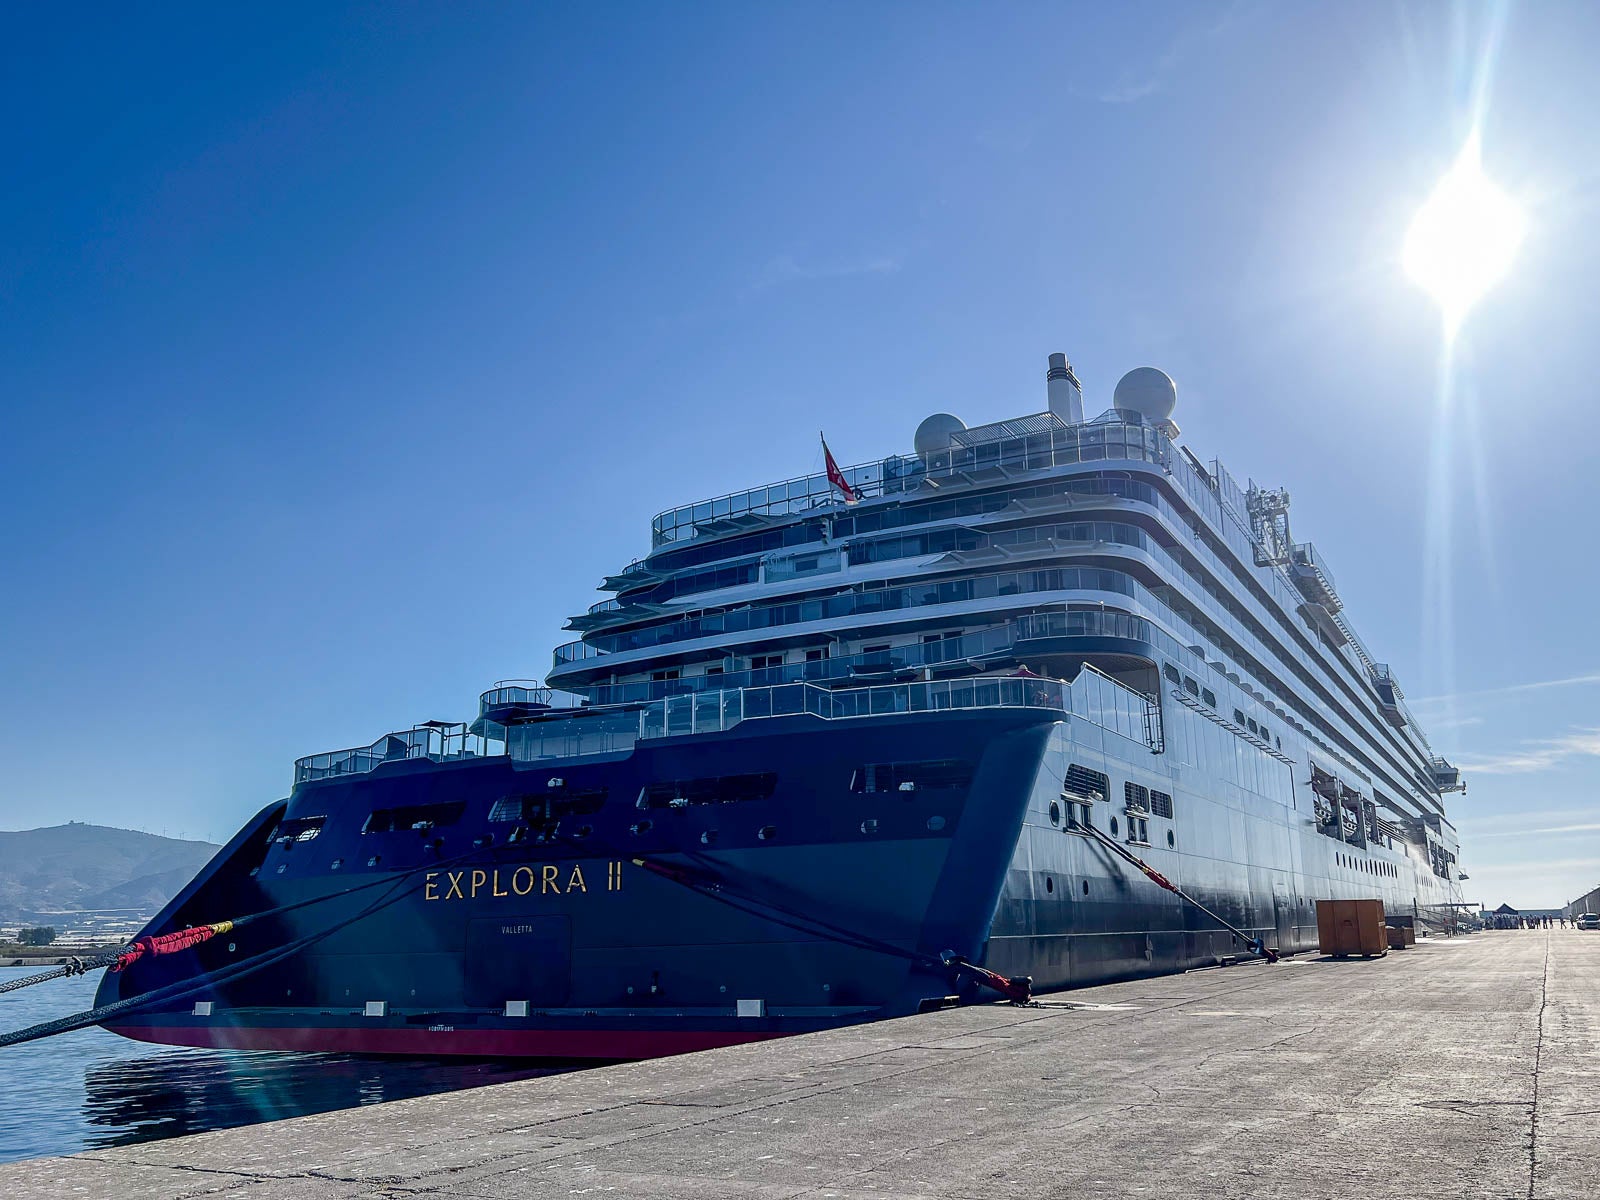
(78, 866)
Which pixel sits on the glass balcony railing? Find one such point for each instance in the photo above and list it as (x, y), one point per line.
(853, 604)
(1062, 445)
(716, 711)
(522, 694)
(585, 732)
(437, 740)
(991, 643)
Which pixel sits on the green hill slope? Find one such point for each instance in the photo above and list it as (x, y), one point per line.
(80, 866)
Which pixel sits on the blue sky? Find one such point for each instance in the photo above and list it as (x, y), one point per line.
(343, 350)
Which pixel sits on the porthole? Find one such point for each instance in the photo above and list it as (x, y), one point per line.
(1171, 841)
(936, 823)
(869, 826)
(1049, 884)
(1055, 814)
(768, 832)
(708, 837)
(1113, 827)
(1085, 887)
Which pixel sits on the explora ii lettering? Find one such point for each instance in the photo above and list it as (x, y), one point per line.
(547, 879)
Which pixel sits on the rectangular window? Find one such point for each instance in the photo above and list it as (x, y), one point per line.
(714, 671)
(1136, 796)
(1209, 697)
(935, 775)
(1190, 686)
(663, 676)
(414, 816)
(817, 655)
(1161, 804)
(551, 804)
(298, 829)
(1084, 783)
(714, 789)
(765, 662)
(1080, 815)
(1139, 830)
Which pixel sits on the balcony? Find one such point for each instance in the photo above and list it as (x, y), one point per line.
(857, 603)
(1034, 443)
(617, 731)
(994, 646)
(439, 741)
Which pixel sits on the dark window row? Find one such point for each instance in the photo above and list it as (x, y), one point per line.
(944, 774)
(298, 829)
(715, 789)
(1082, 786)
(1370, 866)
(924, 512)
(552, 804)
(751, 543)
(1188, 684)
(865, 600)
(896, 517)
(414, 816)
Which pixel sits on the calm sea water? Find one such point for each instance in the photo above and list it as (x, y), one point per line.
(92, 1088)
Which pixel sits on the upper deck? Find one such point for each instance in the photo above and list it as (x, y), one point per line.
(990, 453)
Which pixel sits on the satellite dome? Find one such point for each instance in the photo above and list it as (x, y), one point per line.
(934, 434)
(1147, 392)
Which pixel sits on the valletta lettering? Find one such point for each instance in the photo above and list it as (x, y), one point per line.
(546, 879)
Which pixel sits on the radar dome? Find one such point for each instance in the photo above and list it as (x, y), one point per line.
(1147, 392)
(934, 434)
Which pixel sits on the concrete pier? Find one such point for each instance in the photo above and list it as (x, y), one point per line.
(1465, 1068)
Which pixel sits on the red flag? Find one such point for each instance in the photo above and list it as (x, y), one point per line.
(836, 476)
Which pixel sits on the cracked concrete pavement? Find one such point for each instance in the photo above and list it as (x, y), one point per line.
(1460, 1068)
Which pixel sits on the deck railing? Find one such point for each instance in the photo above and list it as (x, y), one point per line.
(602, 732)
(1064, 445)
(439, 741)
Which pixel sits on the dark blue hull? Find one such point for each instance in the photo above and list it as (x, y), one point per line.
(611, 958)
(817, 894)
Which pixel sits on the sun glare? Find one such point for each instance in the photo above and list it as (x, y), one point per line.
(1464, 237)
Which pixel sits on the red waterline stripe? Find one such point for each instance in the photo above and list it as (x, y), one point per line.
(485, 1043)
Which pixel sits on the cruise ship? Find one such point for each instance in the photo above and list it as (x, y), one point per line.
(928, 730)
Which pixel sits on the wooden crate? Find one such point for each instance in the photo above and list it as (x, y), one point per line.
(1346, 927)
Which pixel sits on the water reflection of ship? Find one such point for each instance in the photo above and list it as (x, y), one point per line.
(167, 1095)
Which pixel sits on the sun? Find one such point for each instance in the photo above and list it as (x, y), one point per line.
(1464, 237)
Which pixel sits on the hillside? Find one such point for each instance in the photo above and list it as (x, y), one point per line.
(80, 866)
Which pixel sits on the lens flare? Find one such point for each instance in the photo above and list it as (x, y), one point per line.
(1463, 238)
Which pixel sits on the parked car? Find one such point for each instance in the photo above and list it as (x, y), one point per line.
(1588, 921)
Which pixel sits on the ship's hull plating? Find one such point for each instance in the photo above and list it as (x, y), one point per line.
(570, 948)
